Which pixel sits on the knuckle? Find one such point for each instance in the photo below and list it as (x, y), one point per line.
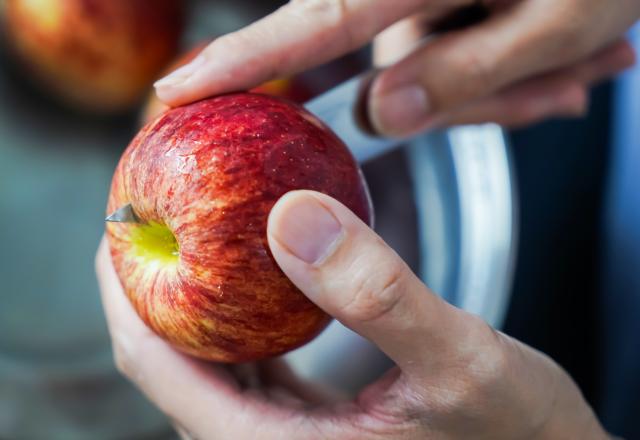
(478, 70)
(488, 369)
(489, 362)
(335, 14)
(375, 294)
(569, 27)
(465, 71)
(571, 41)
(479, 376)
(330, 8)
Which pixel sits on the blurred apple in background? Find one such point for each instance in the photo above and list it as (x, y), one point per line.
(96, 55)
(202, 178)
(296, 89)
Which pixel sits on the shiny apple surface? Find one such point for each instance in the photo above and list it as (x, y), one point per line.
(203, 179)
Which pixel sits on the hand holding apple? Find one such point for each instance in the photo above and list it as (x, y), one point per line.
(203, 178)
(456, 378)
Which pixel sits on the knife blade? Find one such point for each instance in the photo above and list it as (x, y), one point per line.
(342, 109)
(124, 214)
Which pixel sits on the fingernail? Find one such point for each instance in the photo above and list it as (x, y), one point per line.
(399, 111)
(180, 75)
(308, 230)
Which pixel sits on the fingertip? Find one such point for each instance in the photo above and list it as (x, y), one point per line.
(573, 100)
(610, 61)
(627, 55)
(171, 96)
(173, 89)
(536, 103)
(570, 100)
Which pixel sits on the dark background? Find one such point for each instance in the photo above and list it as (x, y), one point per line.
(561, 168)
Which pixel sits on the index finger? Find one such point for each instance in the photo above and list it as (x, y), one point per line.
(299, 35)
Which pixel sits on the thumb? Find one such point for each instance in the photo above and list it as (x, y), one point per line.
(347, 270)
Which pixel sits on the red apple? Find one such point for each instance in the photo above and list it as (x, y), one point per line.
(99, 55)
(203, 178)
(293, 89)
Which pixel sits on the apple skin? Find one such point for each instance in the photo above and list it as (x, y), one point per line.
(294, 88)
(209, 173)
(94, 55)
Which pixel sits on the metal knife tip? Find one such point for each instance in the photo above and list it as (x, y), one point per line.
(124, 214)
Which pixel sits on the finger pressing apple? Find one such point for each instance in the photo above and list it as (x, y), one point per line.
(296, 37)
(347, 270)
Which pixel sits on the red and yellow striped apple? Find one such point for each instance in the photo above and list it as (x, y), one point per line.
(96, 55)
(203, 178)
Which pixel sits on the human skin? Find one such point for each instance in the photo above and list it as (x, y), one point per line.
(293, 89)
(530, 59)
(455, 377)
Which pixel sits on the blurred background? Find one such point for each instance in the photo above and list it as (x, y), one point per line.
(75, 86)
